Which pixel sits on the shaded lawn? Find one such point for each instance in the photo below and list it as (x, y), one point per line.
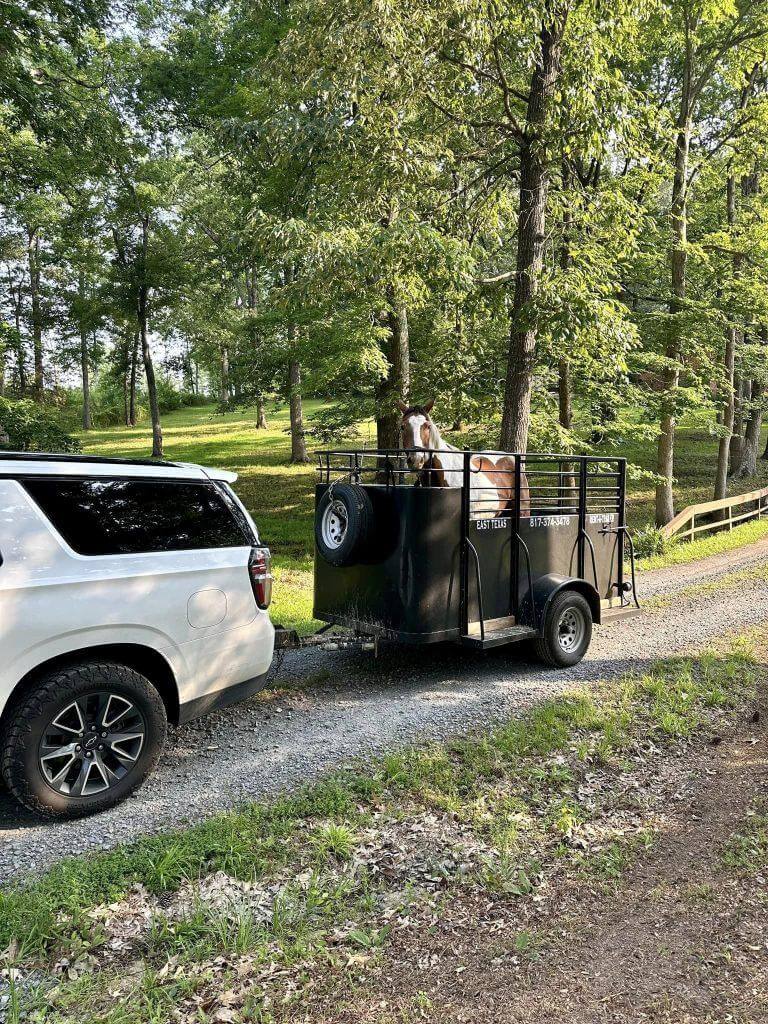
(281, 497)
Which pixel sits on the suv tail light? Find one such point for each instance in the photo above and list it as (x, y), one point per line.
(259, 566)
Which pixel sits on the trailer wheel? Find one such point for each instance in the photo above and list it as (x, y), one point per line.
(343, 523)
(567, 630)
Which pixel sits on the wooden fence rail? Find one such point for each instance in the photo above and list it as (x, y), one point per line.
(684, 523)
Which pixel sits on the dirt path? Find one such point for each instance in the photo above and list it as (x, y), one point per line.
(682, 938)
(332, 707)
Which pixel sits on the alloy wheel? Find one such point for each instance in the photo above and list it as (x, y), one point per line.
(91, 744)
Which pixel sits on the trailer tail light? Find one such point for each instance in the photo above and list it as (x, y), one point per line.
(259, 566)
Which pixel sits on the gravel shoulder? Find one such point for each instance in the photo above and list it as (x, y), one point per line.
(327, 708)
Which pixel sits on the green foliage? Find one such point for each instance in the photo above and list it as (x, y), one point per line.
(170, 397)
(650, 541)
(26, 427)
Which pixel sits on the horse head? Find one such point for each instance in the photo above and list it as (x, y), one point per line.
(418, 432)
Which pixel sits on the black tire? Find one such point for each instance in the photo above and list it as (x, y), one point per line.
(567, 630)
(343, 524)
(67, 695)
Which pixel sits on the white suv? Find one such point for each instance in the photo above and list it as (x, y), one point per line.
(132, 594)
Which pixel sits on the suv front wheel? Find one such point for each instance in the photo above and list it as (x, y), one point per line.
(83, 739)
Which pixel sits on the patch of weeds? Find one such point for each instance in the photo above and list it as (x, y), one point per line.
(527, 944)
(205, 932)
(698, 892)
(368, 938)
(610, 863)
(333, 840)
(564, 816)
(747, 851)
(504, 873)
(650, 541)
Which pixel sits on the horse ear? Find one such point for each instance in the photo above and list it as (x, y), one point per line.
(402, 406)
(428, 406)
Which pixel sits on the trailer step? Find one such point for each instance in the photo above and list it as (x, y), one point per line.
(629, 611)
(498, 637)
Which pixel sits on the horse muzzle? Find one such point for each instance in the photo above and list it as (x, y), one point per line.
(416, 460)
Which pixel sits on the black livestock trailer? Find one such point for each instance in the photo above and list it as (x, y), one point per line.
(509, 547)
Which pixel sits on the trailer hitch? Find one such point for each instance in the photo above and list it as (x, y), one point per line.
(289, 640)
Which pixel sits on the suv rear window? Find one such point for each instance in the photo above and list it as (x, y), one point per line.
(110, 516)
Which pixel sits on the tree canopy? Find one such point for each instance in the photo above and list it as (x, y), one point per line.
(550, 216)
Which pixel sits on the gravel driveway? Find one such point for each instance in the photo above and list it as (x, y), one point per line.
(330, 707)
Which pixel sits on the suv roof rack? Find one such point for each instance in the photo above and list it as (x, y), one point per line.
(60, 457)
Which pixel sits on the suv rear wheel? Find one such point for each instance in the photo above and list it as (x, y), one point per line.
(83, 739)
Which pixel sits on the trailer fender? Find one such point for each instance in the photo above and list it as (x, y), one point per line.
(545, 588)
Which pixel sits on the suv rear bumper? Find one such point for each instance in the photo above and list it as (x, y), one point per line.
(221, 698)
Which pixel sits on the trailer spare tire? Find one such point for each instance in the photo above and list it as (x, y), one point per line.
(343, 523)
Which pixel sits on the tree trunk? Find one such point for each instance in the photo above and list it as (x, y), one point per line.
(564, 401)
(21, 367)
(84, 357)
(531, 221)
(748, 466)
(565, 405)
(299, 452)
(723, 450)
(224, 376)
(149, 369)
(665, 456)
(33, 256)
(261, 414)
(729, 409)
(737, 439)
(397, 384)
(748, 463)
(125, 367)
(132, 384)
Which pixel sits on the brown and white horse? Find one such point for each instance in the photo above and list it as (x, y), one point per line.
(439, 464)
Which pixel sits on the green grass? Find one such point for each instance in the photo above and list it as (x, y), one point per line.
(703, 547)
(746, 852)
(281, 497)
(317, 828)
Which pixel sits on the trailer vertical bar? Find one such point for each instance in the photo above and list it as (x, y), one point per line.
(464, 549)
(514, 541)
(582, 515)
(622, 522)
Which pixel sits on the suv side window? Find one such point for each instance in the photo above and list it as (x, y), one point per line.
(115, 516)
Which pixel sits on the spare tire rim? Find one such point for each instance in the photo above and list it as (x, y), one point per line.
(92, 744)
(570, 630)
(334, 525)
